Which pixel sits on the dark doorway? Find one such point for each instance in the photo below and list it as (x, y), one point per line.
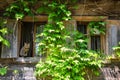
(27, 32)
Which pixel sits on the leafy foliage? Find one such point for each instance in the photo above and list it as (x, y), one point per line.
(67, 57)
(97, 27)
(117, 50)
(64, 60)
(3, 70)
(69, 64)
(19, 9)
(3, 32)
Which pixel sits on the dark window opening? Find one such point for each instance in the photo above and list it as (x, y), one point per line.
(96, 43)
(27, 33)
(82, 28)
(29, 39)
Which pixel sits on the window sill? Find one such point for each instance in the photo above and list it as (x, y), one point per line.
(22, 60)
(28, 59)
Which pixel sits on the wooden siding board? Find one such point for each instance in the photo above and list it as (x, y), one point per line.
(10, 52)
(107, 32)
(112, 35)
(19, 37)
(103, 45)
(118, 35)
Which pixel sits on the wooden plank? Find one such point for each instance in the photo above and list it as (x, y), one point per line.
(39, 27)
(34, 40)
(19, 37)
(35, 18)
(103, 45)
(112, 28)
(77, 18)
(111, 35)
(28, 60)
(118, 34)
(89, 18)
(21, 60)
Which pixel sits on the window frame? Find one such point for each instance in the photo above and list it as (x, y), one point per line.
(34, 37)
(102, 37)
(34, 43)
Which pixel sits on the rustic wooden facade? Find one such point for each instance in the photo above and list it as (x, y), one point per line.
(86, 11)
(89, 10)
(107, 41)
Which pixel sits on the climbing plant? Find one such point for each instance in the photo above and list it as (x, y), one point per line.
(3, 32)
(67, 56)
(64, 61)
(3, 70)
(116, 49)
(3, 41)
(97, 27)
(19, 9)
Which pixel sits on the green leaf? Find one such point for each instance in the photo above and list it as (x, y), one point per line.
(3, 71)
(1, 38)
(19, 16)
(6, 42)
(67, 56)
(3, 31)
(27, 9)
(43, 10)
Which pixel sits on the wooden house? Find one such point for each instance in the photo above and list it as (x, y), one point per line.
(26, 30)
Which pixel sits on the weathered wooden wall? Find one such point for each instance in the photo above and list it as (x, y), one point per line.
(112, 34)
(10, 52)
(118, 35)
(85, 12)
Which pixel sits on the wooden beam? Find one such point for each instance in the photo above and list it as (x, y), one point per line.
(43, 18)
(89, 18)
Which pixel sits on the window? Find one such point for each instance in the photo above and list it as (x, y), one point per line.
(39, 29)
(28, 38)
(82, 27)
(27, 31)
(96, 41)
